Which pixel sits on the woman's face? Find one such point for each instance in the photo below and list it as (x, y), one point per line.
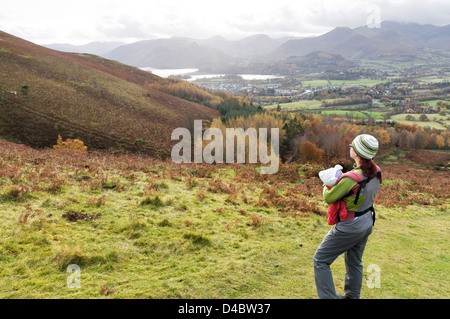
(352, 153)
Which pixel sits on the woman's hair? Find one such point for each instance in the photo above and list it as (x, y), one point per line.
(368, 167)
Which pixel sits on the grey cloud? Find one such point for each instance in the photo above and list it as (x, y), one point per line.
(422, 12)
(281, 21)
(167, 18)
(124, 27)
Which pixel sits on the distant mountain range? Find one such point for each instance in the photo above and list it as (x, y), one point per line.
(393, 41)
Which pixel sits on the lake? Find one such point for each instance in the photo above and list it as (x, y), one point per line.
(168, 72)
(164, 73)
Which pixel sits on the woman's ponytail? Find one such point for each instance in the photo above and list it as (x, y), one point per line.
(368, 167)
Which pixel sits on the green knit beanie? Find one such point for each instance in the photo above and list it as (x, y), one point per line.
(366, 146)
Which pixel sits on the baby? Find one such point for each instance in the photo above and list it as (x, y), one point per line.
(330, 176)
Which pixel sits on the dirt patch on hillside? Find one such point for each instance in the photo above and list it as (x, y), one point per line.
(73, 216)
(428, 158)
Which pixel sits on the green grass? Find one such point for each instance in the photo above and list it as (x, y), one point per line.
(297, 105)
(174, 231)
(431, 120)
(424, 269)
(433, 79)
(355, 114)
(324, 83)
(433, 102)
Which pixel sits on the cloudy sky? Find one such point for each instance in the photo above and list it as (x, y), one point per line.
(83, 21)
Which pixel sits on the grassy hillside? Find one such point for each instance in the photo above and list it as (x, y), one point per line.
(106, 104)
(145, 228)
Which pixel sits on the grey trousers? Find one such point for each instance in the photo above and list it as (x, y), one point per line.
(333, 245)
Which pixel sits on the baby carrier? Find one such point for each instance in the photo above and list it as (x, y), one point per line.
(338, 210)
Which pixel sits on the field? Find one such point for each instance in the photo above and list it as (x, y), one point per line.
(324, 83)
(314, 106)
(378, 113)
(144, 228)
(354, 114)
(431, 122)
(433, 102)
(434, 79)
(297, 105)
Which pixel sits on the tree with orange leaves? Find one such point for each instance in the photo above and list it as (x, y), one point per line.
(70, 145)
(311, 153)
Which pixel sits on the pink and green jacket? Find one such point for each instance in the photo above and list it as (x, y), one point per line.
(345, 199)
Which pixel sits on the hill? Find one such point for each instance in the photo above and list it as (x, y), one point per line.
(252, 47)
(360, 43)
(46, 93)
(321, 61)
(425, 35)
(170, 53)
(313, 62)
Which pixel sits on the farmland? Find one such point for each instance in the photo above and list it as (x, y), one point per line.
(341, 83)
(146, 228)
(386, 99)
(300, 105)
(431, 122)
(354, 114)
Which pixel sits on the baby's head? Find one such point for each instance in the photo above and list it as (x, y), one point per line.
(330, 176)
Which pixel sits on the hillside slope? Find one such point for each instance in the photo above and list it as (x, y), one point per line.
(321, 61)
(108, 105)
(170, 53)
(252, 47)
(142, 228)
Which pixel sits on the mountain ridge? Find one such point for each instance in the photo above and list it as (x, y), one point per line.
(392, 41)
(358, 43)
(355, 43)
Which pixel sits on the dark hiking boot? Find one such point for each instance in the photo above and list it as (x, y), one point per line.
(346, 296)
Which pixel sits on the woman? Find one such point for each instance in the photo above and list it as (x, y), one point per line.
(349, 237)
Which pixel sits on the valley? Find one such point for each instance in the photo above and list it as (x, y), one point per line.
(386, 73)
(393, 94)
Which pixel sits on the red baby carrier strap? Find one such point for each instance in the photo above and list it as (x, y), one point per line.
(359, 179)
(353, 175)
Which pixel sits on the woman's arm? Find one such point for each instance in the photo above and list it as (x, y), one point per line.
(340, 189)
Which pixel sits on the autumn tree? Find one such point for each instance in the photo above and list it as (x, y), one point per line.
(70, 145)
(311, 153)
(418, 139)
(383, 136)
(423, 118)
(440, 141)
(187, 91)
